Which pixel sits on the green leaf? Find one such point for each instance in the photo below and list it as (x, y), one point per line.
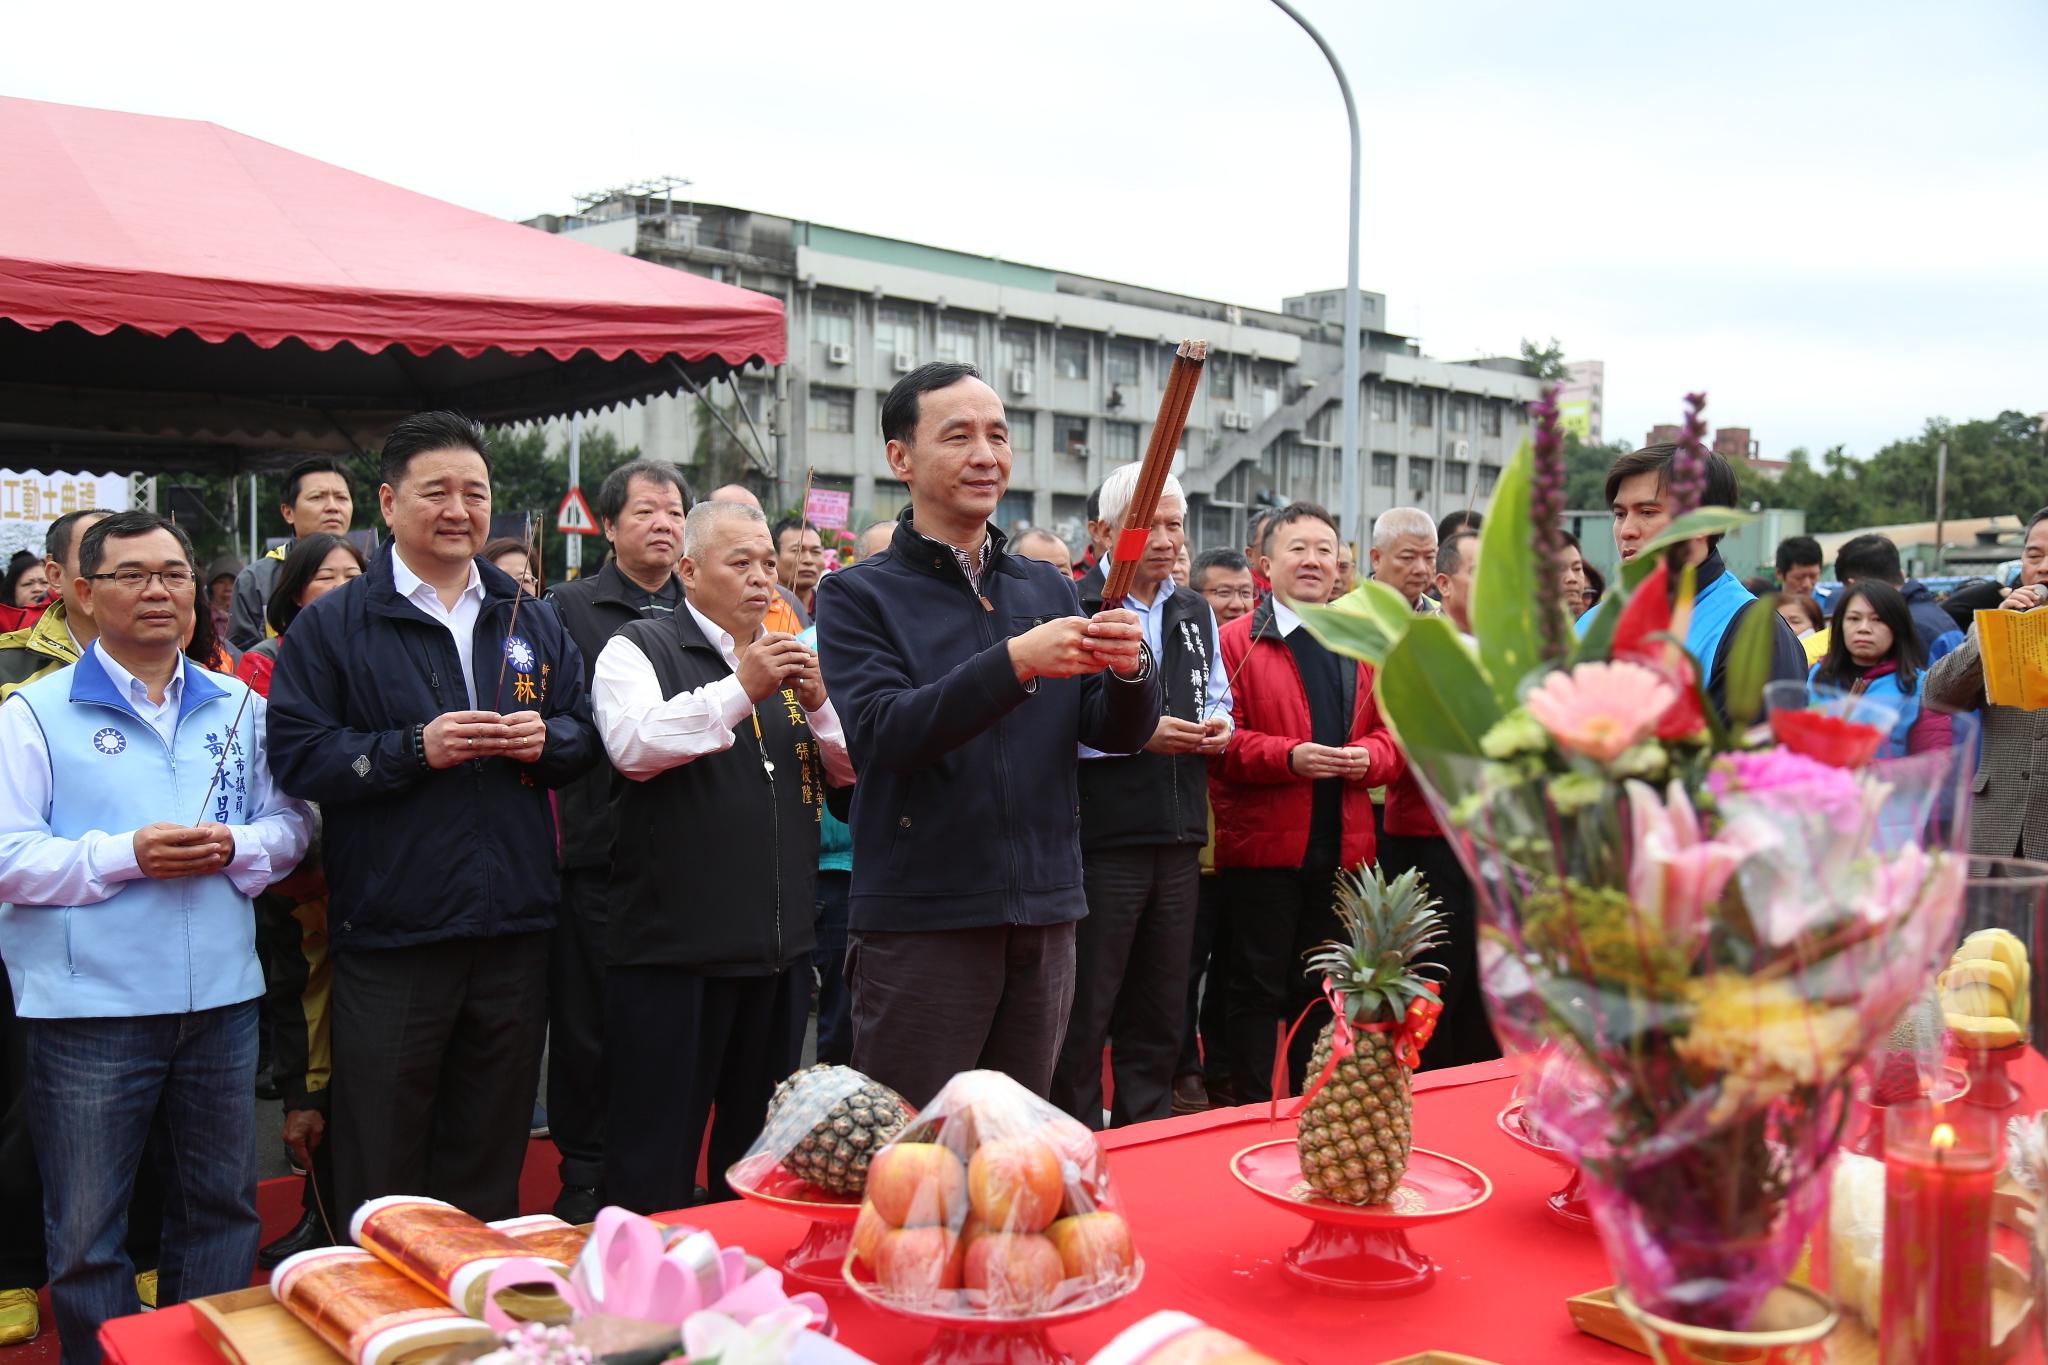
(1363, 624)
(1706, 521)
(1436, 699)
(1504, 595)
(1598, 637)
(1749, 665)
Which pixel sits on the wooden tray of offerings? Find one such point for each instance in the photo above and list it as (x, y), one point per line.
(249, 1327)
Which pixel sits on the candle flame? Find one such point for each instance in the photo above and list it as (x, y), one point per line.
(1943, 1137)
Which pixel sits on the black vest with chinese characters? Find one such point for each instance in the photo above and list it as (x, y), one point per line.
(1150, 798)
(714, 863)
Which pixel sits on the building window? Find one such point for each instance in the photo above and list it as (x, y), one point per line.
(1070, 434)
(1119, 442)
(957, 338)
(1022, 350)
(1120, 363)
(1489, 475)
(1023, 432)
(1301, 470)
(1422, 408)
(831, 320)
(1222, 380)
(1323, 426)
(1458, 415)
(1384, 468)
(891, 498)
(895, 334)
(1070, 355)
(1489, 419)
(1454, 475)
(831, 409)
(1382, 404)
(1421, 473)
(1013, 513)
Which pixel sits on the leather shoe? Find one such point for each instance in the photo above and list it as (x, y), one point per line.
(307, 1235)
(578, 1204)
(1189, 1095)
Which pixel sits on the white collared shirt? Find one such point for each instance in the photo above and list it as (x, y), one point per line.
(1285, 618)
(1151, 624)
(460, 619)
(162, 716)
(645, 733)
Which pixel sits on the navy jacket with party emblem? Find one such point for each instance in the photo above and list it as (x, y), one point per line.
(413, 854)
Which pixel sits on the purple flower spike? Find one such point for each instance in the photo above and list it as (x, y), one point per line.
(1689, 461)
(1546, 524)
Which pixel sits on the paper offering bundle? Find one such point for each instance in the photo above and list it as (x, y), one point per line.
(1169, 1338)
(992, 1203)
(545, 1236)
(446, 1250)
(364, 1309)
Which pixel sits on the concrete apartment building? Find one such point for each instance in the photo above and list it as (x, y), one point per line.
(1079, 363)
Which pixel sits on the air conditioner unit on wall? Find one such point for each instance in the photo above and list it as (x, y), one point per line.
(1020, 381)
(1237, 419)
(1461, 450)
(837, 354)
(905, 362)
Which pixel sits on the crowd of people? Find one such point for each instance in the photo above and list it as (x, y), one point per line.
(374, 835)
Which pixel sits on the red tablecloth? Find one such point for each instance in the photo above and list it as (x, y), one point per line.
(1213, 1250)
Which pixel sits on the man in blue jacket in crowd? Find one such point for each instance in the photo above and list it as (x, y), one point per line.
(965, 677)
(137, 817)
(429, 726)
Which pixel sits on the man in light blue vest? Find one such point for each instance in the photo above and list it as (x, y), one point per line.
(131, 954)
(1638, 491)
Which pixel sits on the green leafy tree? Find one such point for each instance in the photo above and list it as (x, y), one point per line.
(1585, 471)
(1548, 361)
(529, 475)
(1996, 467)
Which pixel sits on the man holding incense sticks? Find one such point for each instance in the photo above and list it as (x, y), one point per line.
(966, 679)
(429, 705)
(137, 817)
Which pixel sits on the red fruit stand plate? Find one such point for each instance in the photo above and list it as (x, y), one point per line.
(980, 1339)
(813, 1263)
(1566, 1206)
(1361, 1250)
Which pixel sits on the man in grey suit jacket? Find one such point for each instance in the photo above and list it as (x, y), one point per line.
(2009, 812)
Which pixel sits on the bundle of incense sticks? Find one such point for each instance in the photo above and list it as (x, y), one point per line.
(367, 1311)
(441, 1247)
(1137, 523)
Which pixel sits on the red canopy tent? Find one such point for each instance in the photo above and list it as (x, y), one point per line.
(175, 295)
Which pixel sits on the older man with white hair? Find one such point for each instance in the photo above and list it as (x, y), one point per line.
(1404, 555)
(1144, 819)
(726, 736)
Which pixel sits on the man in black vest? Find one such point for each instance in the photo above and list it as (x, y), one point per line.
(1144, 819)
(726, 735)
(641, 506)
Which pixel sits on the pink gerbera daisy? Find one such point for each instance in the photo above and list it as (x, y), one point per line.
(1600, 709)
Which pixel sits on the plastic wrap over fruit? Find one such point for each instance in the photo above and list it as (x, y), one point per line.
(992, 1203)
(824, 1126)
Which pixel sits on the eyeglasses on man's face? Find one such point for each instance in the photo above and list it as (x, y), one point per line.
(175, 579)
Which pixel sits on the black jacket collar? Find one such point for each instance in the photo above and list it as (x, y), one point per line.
(614, 588)
(499, 587)
(929, 556)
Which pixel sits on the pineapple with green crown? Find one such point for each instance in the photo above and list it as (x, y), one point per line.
(1355, 1132)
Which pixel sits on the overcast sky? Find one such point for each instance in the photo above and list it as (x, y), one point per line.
(1828, 215)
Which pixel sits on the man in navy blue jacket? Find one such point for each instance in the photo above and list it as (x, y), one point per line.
(964, 677)
(430, 727)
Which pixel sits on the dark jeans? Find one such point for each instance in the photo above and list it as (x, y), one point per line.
(1276, 914)
(1203, 1049)
(576, 1026)
(1463, 1034)
(1130, 982)
(96, 1089)
(436, 1061)
(681, 1043)
(928, 1005)
(835, 1004)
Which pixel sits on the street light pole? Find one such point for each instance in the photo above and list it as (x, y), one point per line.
(1348, 513)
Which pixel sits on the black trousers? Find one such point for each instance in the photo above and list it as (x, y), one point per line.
(835, 1006)
(1463, 1034)
(678, 1044)
(929, 1005)
(1275, 914)
(1130, 982)
(1204, 1050)
(436, 1062)
(576, 1096)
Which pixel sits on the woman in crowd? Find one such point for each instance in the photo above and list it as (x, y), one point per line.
(1873, 651)
(319, 563)
(511, 556)
(26, 584)
(1800, 612)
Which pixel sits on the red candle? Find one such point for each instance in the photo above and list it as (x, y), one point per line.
(1940, 1163)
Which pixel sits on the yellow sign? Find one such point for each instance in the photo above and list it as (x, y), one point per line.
(2015, 649)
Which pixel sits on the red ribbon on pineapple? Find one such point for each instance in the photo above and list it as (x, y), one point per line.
(1411, 1033)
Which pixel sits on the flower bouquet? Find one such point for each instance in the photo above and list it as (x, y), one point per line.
(1702, 928)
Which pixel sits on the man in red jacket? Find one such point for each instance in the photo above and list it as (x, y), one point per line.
(1290, 795)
